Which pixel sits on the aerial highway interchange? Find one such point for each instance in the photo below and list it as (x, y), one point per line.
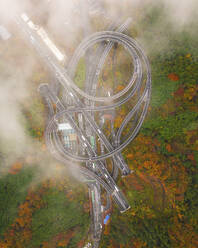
(75, 127)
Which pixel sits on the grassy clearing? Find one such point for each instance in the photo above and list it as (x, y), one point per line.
(58, 215)
(13, 190)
